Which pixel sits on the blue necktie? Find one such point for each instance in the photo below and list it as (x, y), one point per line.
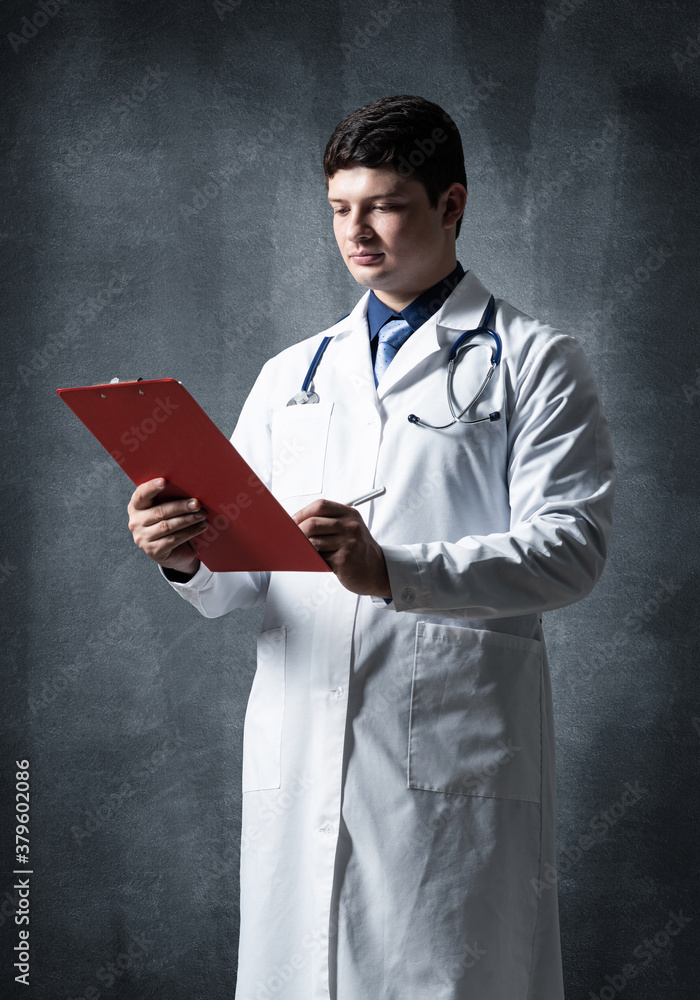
(392, 335)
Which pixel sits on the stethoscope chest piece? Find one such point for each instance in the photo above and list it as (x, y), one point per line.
(305, 396)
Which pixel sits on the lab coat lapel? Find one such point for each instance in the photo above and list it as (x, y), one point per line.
(423, 342)
(462, 310)
(351, 357)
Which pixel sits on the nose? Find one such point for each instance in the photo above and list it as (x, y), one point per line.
(358, 229)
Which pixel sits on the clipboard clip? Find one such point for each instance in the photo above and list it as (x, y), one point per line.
(122, 381)
(115, 380)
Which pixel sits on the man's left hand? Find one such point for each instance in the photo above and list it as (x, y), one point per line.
(340, 535)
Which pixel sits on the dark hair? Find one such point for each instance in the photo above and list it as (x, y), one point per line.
(414, 136)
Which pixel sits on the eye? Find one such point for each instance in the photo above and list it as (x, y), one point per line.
(340, 211)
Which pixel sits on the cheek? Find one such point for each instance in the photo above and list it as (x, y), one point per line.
(407, 237)
(338, 230)
(427, 233)
(395, 231)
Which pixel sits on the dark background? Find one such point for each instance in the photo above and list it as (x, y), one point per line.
(163, 214)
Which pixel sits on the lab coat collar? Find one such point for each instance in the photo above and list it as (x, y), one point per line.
(462, 310)
(465, 307)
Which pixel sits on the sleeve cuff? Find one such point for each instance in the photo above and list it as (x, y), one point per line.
(192, 586)
(404, 579)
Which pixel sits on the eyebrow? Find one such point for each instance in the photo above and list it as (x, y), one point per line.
(371, 197)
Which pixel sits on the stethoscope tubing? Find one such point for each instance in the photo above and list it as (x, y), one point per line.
(307, 394)
(315, 363)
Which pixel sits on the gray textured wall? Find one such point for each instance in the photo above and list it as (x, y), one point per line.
(163, 214)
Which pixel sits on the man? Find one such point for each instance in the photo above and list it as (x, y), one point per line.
(398, 772)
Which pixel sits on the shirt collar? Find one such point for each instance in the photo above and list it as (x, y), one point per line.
(417, 312)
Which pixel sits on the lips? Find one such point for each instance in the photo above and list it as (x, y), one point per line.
(366, 258)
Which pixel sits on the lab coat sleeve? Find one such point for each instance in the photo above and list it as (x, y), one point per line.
(215, 594)
(560, 479)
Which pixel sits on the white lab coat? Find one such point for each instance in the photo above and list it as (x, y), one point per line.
(398, 772)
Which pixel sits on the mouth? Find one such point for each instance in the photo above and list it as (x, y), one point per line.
(366, 258)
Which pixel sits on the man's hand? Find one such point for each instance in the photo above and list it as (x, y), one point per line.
(162, 530)
(340, 535)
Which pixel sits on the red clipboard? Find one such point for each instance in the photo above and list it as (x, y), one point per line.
(154, 428)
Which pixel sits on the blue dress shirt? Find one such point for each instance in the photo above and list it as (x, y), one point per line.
(417, 312)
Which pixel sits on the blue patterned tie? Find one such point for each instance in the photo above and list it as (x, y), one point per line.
(392, 335)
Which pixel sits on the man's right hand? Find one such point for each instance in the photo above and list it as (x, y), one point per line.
(163, 530)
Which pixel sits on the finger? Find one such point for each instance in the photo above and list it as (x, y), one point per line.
(144, 494)
(177, 538)
(172, 509)
(321, 508)
(163, 547)
(327, 544)
(157, 527)
(320, 526)
(170, 515)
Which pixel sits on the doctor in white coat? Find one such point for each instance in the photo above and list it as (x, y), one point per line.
(398, 771)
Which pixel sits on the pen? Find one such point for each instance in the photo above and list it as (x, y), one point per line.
(366, 496)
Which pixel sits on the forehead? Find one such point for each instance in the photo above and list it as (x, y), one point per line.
(357, 183)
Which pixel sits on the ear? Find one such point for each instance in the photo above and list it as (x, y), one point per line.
(453, 201)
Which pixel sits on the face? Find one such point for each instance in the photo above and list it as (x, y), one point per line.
(391, 238)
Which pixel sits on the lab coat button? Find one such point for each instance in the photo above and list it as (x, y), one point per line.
(337, 692)
(408, 595)
(326, 828)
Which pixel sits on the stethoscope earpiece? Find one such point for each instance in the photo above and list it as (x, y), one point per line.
(413, 419)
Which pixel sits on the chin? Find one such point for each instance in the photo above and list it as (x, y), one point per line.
(368, 280)
(370, 277)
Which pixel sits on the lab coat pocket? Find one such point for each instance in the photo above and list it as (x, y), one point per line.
(299, 439)
(262, 731)
(474, 725)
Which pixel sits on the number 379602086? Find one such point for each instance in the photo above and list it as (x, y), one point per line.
(22, 811)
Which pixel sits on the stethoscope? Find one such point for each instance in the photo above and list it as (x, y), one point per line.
(308, 395)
